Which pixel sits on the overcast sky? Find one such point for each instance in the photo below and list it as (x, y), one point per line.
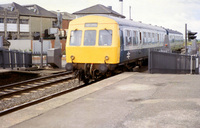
(171, 14)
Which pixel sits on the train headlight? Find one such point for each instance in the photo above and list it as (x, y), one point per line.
(106, 58)
(72, 57)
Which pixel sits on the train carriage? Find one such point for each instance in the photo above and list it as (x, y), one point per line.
(97, 44)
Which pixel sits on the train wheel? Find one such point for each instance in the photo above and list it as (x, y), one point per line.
(86, 81)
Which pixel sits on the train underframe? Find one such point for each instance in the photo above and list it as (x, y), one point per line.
(88, 71)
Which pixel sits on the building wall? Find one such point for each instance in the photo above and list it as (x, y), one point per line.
(62, 43)
(20, 45)
(35, 45)
(24, 31)
(39, 24)
(65, 24)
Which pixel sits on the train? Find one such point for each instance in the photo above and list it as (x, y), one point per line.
(98, 44)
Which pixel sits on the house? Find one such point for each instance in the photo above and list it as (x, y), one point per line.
(98, 9)
(24, 22)
(66, 18)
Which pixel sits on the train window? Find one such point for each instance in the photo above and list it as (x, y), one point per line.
(75, 38)
(153, 37)
(149, 37)
(135, 38)
(173, 39)
(90, 38)
(156, 38)
(105, 37)
(144, 38)
(128, 38)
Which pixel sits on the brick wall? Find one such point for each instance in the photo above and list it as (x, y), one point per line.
(65, 24)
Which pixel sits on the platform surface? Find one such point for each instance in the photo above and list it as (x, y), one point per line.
(128, 100)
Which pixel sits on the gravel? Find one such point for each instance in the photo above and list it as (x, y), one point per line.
(33, 95)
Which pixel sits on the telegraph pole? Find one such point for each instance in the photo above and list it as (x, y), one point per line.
(41, 54)
(186, 50)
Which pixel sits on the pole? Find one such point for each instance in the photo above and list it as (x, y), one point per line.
(1, 41)
(130, 13)
(186, 49)
(121, 6)
(41, 54)
(191, 64)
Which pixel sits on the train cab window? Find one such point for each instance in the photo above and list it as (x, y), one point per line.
(90, 38)
(75, 38)
(105, 37)
(128, 38)
(135, 38)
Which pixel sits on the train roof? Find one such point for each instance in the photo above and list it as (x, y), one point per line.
(130, 23)
(173, 31)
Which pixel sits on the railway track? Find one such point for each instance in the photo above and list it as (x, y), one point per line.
(21, 94)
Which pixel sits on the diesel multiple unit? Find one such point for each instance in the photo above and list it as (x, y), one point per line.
(98, 44)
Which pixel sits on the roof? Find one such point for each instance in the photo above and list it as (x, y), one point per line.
(173, 31)
(66, 15)
(39, 11)
(125, 22)
(130, 23)
(25, 11)
(1, 8)
(22, 10)
(98, 9)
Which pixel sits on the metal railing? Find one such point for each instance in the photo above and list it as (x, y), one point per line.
(36, 58)
(163, 62)
(15, 58)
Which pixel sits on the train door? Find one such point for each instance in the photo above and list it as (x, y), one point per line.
(140, 37)
(139, 43)
(121, 45)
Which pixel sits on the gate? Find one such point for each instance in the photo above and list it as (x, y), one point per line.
(163, 62)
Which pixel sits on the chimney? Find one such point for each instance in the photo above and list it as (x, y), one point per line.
(121, 6)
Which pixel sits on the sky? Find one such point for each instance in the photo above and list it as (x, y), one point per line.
(173, 14)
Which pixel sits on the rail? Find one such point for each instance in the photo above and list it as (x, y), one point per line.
(20, 88)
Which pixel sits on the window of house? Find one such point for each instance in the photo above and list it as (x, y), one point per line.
(23, 21)
(75, 38)
(11, 21)
(1, 20)
(105, 37)
(90, 38)
(54, 24)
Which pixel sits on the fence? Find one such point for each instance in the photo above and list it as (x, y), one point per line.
(14, 58)
(163, 62)
(36, 58)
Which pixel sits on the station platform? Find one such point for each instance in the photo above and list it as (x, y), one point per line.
(128, 100)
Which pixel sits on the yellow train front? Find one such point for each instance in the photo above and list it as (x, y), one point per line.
(93, 46)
